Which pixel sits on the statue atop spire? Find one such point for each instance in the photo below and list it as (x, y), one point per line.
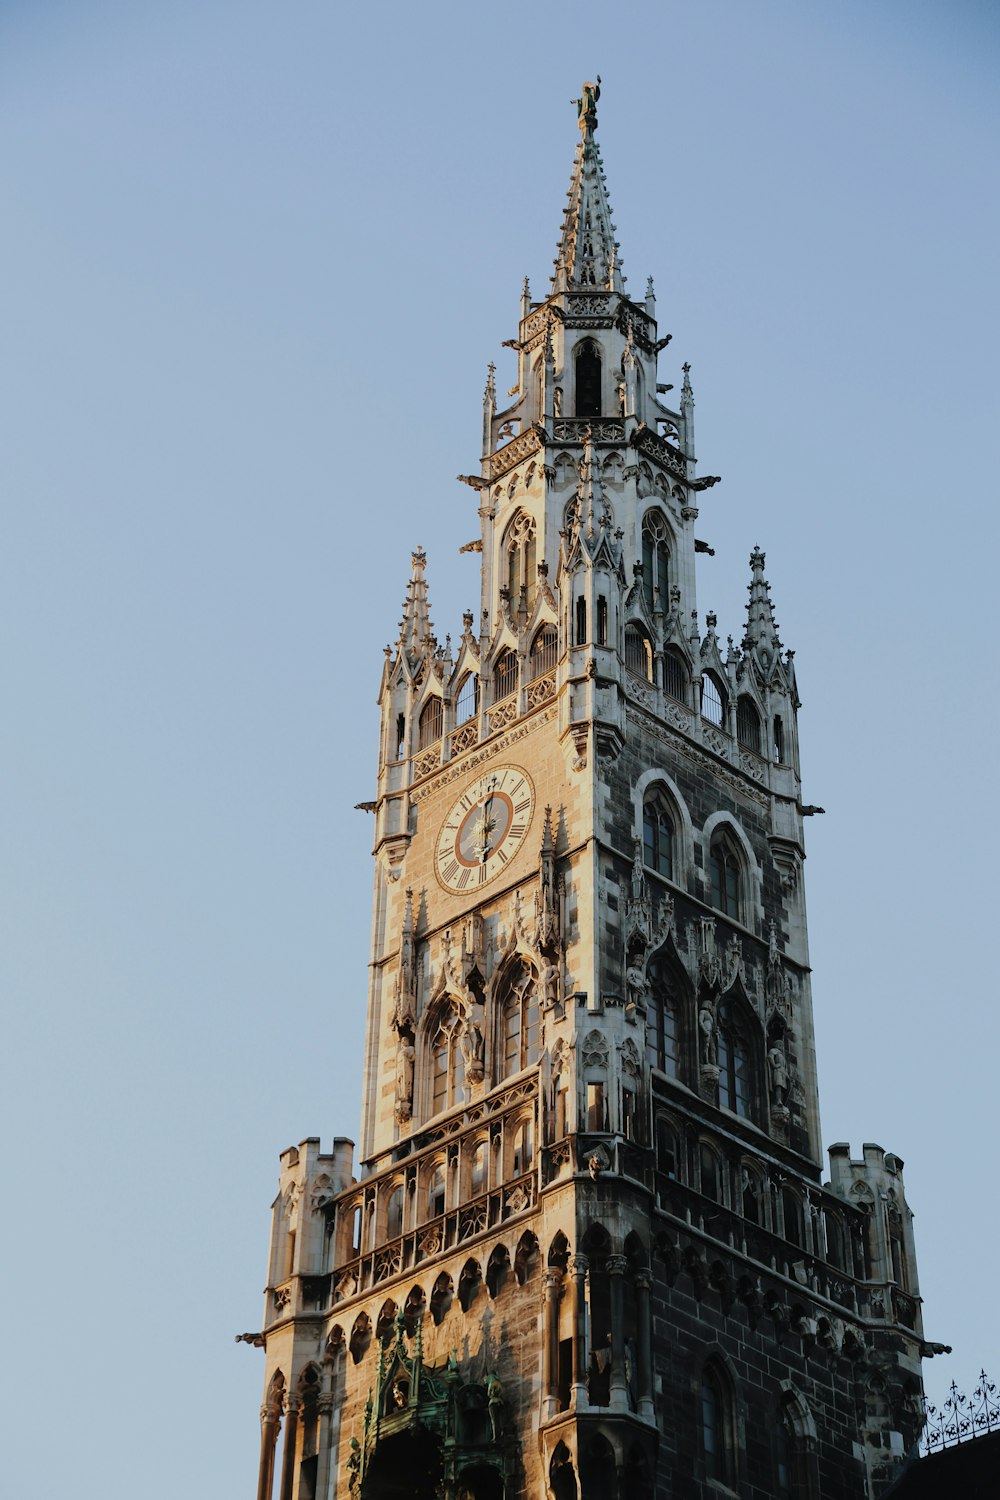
(588, 251)
(586, 107)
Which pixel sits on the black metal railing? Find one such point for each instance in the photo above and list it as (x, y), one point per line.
(962, 1417)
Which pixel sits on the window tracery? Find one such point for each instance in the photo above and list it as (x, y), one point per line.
(655, 562)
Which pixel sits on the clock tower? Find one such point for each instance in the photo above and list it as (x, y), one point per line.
(590, 1249)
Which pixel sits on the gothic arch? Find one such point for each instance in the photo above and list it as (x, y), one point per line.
(656, 777)
(361, 1337)
(724, 823)
(469, 1284)
(519, 557)
(526, 1258)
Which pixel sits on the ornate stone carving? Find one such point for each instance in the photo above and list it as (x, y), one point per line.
(595, 1050)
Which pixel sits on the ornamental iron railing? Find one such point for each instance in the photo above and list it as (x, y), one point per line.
(961, 1417)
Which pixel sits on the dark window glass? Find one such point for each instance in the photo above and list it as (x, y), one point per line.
(748, 725)
(725, 872)
(588, 382)
(779, 740)
(657, 838)
(675, 682)
(430, 723)
(581, 622)
(504, 675)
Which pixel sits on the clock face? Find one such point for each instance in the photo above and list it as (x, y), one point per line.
(484, 829)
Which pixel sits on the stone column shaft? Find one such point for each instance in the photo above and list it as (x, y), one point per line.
(269, 1427)
(645, 1371)
(578, 1271)
(619, 1389)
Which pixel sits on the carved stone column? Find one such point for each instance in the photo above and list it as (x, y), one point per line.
(645, 1355)
(550, 1346)
(617, 1265)
(325, 1408)
(578, 1267)
(291, 1444)
(270, 1426)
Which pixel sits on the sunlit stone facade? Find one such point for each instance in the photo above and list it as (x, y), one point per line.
(587, 1250)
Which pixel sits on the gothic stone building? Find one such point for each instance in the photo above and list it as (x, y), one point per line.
(588, 1251)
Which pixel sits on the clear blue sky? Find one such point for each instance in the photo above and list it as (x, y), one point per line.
(255, 260)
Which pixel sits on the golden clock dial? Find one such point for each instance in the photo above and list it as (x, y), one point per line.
(484, 829)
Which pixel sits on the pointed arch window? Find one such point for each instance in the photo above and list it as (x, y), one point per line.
(658, 836)
(519, 1023)
(544, 652)
(748, 726)
(504, 675)
(718, 1427)
(436, 1190)
(588, 380)
(430, 724)
(655, 562)
(713, 700)
(447, 1064)
(726, 871)
(520, 550)
(638, 652)
(736, 1091)
(467, 703)
(394, 1213)
(791, 1213)
(675, 677)
(708, 1169)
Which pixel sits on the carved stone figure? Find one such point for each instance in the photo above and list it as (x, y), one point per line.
(549, 984)
(471, 1042)
(496, 1401)
(404, 1078)
(777, 1067)
(635, 984)
(709, 1040)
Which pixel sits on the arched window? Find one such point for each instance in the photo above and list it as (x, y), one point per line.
(791, 1212)
(588, 380)
(713, 700)
(430, 723)
(778, 740)
(675, 678)
(394, 1213)
(735, 1070)
(447, 1070)
(655, 562)
(524, 1148)
(836, 1245)
(519, 1022)
(477, 1170)
(638, 652)
(708, 1167)
(400, 736)
(544, 652)
(467, 703)
(520, 550)
(436, 1192)
(504, 675)
(751, 1196)
(726, 871)
(748, 724)
(662, 1015)
(718, 1429)
(657, 836)
(667, 1159)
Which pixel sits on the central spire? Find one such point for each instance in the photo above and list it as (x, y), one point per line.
(588, 250)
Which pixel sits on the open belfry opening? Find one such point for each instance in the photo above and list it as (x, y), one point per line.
(587, 1251)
